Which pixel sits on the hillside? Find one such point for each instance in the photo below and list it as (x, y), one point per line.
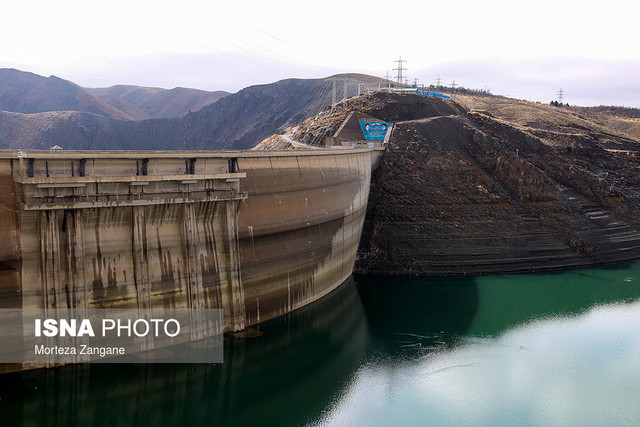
(235, 121)
(28, 93)
(490, 185)
(557, 125)
(622, 119)
(80, 131)
(22, 92)
(148, 102)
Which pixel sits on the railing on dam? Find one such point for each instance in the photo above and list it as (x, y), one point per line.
(65, 180)
(95, 192)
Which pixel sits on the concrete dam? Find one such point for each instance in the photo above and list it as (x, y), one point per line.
(256, 233)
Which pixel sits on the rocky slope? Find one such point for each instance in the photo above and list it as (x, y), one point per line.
(491, 185)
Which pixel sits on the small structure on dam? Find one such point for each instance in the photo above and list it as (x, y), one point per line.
(256, 233)
(359, 129)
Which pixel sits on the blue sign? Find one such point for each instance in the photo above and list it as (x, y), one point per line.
(374, 131)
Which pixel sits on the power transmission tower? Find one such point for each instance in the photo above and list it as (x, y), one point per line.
(334, 97)
(453, 87)
(415, 82)
(345, 95)
(560, 95)
(438, 81)
(400, 69)
(387, 78)
(334, 94)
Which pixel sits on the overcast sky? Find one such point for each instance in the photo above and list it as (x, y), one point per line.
(525, 50)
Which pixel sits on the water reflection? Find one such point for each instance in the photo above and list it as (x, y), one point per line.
(288, 375)
(581, 370)
(530, 349)
(545, 349)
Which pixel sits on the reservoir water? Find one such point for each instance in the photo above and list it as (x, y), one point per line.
(539, 349)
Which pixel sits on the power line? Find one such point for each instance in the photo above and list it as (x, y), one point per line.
(247, 59)
(252, 52)
(272, 36)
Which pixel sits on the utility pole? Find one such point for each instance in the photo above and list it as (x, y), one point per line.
(560, 95)
(400, 69)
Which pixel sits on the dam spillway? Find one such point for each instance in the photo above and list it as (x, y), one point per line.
(255, 233)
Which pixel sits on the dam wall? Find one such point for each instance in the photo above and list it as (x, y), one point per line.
(257, 234)
(300, 226)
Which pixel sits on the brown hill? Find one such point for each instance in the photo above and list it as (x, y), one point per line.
(22, 92)
(560, 125)
(80, 131)
(623, 119)
(241, 120)
(491, 185)
(148, 102)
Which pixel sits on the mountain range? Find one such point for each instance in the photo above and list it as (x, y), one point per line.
(39, 112)
(23, 92)
(27, 93)
(151, 102)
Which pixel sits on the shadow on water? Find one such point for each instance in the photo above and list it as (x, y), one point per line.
(289, 375)
(408, 314)
(405, 314)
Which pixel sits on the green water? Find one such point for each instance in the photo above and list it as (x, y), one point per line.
(542, 349)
